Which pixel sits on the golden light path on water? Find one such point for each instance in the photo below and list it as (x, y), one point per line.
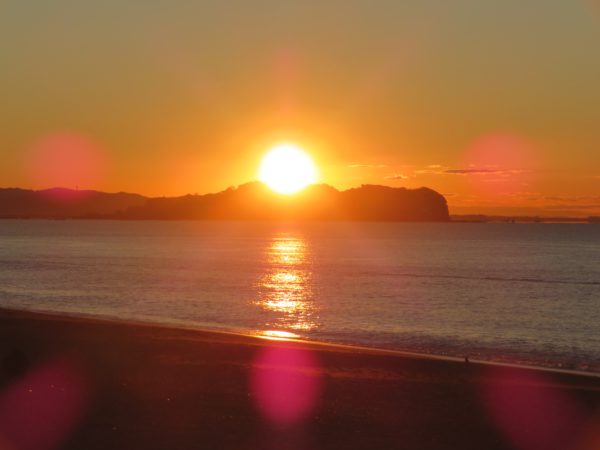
(285, 291)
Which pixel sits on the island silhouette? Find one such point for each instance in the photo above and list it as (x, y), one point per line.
(250, 201)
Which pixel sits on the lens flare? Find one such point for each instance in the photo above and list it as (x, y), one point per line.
(40, 410)
(286, 383)
(66, 160)
(530, 412)
(499, 164)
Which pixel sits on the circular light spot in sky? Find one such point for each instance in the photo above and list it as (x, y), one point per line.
(66, 160)
(497, 164)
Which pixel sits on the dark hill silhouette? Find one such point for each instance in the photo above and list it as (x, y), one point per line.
(250, 201)
(60, 203)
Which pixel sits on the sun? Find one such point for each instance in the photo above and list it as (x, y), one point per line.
(287, 169)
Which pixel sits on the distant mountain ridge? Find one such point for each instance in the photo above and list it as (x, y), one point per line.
(250, 201)
(60, 203)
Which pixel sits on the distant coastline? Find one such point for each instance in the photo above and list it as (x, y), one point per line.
(250, 201)
(482, 218)
(253, 201)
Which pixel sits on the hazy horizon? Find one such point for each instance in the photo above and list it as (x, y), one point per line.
(456, 211)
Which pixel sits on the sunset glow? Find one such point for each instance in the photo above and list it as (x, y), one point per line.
(300, 225)
(287, 169)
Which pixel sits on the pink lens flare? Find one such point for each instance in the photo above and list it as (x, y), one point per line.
(499, 163)
(287, 67)
(531, 411)
(286, 74)
(66, 160)
(40, 410)
(286, 383)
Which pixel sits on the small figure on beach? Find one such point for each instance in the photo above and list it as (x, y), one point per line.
(466, 358)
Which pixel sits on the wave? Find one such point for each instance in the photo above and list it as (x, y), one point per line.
(491, 278)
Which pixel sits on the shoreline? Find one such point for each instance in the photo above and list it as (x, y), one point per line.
(248, 336)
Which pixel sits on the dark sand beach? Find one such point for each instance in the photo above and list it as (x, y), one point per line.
(80, 383)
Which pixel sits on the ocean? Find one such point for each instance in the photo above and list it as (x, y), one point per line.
(518, 293)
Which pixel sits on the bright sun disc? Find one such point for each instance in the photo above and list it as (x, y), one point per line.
(287, 169)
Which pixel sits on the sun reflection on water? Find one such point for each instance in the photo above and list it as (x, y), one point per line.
(278, 335)
(285, 290)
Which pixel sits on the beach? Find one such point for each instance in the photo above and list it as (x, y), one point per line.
(83, 383)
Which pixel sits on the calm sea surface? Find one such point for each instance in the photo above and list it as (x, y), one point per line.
(503, 292)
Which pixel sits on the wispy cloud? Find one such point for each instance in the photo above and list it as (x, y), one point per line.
(397, 176)
(574, 198)
(367, 166)
(485, 171)
(434, 169)
(437, 169)
(470, 171)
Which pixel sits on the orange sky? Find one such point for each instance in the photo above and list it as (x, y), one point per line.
(496, 106)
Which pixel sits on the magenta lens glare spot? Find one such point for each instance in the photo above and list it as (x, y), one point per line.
(286, 383)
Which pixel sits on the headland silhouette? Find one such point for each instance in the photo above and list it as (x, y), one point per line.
(250, 201)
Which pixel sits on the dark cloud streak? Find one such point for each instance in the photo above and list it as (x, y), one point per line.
(469, 171)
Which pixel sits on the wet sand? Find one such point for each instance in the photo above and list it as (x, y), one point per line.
(80, 383)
